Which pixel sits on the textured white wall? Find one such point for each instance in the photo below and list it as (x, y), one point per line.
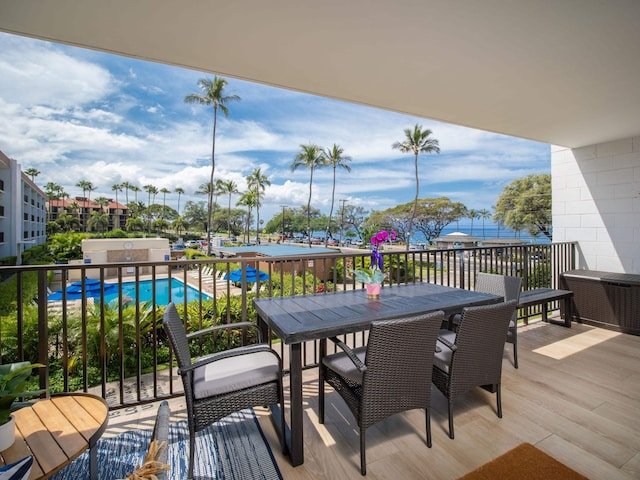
(596, 201)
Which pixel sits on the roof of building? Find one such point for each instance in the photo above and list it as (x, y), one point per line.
(276, 250)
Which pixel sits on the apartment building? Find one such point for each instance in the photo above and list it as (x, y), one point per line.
(23, 214)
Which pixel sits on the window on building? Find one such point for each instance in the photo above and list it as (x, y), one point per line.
(1, 237)
(25, 234)
(26, 217)
(1, 210)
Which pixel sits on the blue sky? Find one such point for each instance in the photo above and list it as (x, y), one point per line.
(77, 114)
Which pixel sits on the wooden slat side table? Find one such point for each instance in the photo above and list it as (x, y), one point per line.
(58, 430)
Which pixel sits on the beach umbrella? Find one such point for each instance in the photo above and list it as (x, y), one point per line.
(92, 289)
(252, 275)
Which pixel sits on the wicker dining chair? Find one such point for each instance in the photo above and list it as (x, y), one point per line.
(507, 287)
(472, 356)
(225, 382)
(391, 374)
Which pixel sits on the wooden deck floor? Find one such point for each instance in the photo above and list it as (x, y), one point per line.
(576, 396)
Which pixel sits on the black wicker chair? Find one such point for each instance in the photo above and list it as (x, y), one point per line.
(390, 375)
(472, 357)
(220, 384)
(507, 287)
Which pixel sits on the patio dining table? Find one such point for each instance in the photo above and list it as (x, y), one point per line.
(298, 319)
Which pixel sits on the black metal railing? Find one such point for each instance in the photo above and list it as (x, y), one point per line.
(115, 348)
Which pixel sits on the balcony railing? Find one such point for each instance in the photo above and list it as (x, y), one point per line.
(116, 349)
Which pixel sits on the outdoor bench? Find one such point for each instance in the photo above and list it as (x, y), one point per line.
(542, 296)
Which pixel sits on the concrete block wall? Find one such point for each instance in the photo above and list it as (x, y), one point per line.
(596, 202)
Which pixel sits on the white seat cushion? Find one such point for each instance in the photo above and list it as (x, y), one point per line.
(235, 373)
(343, 366)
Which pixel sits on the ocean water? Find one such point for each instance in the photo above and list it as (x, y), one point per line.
(489, 231)
(492, 231)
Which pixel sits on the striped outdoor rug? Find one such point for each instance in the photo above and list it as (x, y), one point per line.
(232, 449)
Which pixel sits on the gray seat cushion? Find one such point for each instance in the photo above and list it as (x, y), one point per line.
(343, 366)
(442, 356)
(235, 373)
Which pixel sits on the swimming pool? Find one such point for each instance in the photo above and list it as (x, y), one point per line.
(145, 291)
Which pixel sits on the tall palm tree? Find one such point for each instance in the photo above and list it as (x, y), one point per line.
(212, 94)
(310, 157)
(151, 190)
(126, 186)
(33, 173)
(180, 192)
(416, 141)
(484, 215)
(164, 192)
(135, 189)
(116, 187)
(257, 182)
(86, 186)
(229, 188)
(248, 200)
(334, 157)
(473, 215)
(207, 189)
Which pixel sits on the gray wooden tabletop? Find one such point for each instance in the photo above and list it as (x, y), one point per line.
(310, 317)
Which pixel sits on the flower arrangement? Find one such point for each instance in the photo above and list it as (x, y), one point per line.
(374, 275)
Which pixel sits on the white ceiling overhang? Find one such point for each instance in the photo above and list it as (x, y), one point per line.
(564, 72)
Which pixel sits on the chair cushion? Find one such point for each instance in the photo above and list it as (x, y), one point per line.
(442, 356)
(19, 470)
(235, 373)
(343, 366)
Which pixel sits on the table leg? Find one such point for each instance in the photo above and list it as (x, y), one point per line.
(93, 462)
(296, 449)
(568, 312)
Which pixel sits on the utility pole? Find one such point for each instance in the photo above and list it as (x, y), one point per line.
(343, 200)
(283, 208)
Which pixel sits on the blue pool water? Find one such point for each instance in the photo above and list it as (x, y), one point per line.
(145, 291)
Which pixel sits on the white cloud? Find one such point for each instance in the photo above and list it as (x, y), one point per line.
(80, 115)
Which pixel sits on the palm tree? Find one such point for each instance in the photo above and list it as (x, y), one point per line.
(484, 215)
(33, 173)
(150, 189)
(116, 187)
(134, 224)
(85, 186)
(52, 189)
(258, 182)
(164, 192)
(416, 141)
(473, 215)
(127, 186)
(212, 94)
(179, 224)
(179, 191)
(135, 189)
(248, 200)
(98, 221)
(207, 189)
(229, 188)
(310, 157)
(335, 158)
